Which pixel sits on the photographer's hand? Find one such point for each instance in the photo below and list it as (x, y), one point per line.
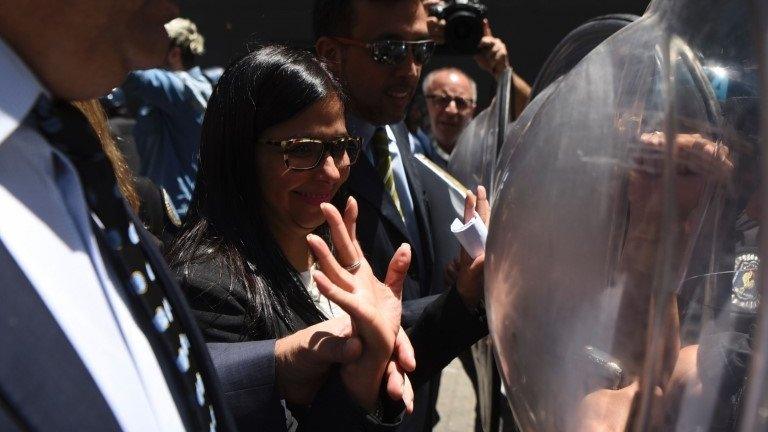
(435, 26)
(492, 53)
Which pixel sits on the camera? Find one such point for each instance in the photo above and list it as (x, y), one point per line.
(463, 24)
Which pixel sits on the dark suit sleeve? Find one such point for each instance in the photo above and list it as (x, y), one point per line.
(444, 329)
(246, 371)
(412, 310)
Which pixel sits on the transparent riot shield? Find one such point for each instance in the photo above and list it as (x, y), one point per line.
(622, 260)
(473, 162)
(755, 410)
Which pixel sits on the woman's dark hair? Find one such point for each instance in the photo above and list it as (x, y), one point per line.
(261, 89)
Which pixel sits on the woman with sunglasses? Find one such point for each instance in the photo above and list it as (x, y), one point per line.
(274, 149)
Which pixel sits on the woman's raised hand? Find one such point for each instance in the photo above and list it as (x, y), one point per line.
(374, 308)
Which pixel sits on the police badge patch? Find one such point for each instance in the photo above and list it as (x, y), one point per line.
(744, 293)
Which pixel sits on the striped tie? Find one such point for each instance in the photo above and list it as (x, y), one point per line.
(380, 143)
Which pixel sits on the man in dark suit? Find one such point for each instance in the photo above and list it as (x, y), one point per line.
(377, 49)
(94, 333)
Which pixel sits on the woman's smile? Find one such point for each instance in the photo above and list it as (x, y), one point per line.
(314, 198)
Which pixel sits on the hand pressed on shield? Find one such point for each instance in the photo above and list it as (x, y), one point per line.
(374, 308)
(469, 281)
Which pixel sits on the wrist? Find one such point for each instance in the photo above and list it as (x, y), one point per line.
(281, 360)
(472, 301)
(363, 391)
(500, 72)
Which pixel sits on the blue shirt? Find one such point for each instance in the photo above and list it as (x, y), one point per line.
(168, 128)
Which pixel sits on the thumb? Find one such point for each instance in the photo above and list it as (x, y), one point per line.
(398, 268)
(335, 349)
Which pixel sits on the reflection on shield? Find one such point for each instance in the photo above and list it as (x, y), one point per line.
(620, 294)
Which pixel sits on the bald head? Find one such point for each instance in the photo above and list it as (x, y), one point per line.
(451, 96)
(450, 74)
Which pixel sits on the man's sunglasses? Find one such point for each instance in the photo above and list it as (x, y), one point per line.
(394, 52)
(307, 153)
(444, 100)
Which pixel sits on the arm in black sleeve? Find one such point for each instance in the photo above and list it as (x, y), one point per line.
(412, 310)
(444, 329)
(219, 303)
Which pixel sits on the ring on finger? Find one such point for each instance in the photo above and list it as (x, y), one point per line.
(354, 266)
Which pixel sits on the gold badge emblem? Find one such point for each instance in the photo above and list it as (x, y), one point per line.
(744, 293)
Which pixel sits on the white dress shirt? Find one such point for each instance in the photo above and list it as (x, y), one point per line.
(45, 225)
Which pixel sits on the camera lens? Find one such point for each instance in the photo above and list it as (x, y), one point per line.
(463, 31)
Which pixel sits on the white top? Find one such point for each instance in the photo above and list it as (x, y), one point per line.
(44, 224)
(323, 303)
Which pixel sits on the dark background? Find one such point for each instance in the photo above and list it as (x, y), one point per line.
(530, 28)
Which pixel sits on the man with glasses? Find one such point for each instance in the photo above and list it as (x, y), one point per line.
(451, 95)
(377, 49)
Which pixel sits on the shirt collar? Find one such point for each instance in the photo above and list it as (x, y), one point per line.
(19, 89)
(361, 128)
(439, 150)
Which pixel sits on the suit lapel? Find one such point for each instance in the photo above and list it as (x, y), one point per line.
(364, 183)
(42, 378)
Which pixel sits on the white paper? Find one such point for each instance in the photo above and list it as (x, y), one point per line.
(471, 235)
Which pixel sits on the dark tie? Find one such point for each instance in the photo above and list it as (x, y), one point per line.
(119, 242)
(380, 143)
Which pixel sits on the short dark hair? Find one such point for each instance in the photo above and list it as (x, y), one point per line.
(332, 18)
